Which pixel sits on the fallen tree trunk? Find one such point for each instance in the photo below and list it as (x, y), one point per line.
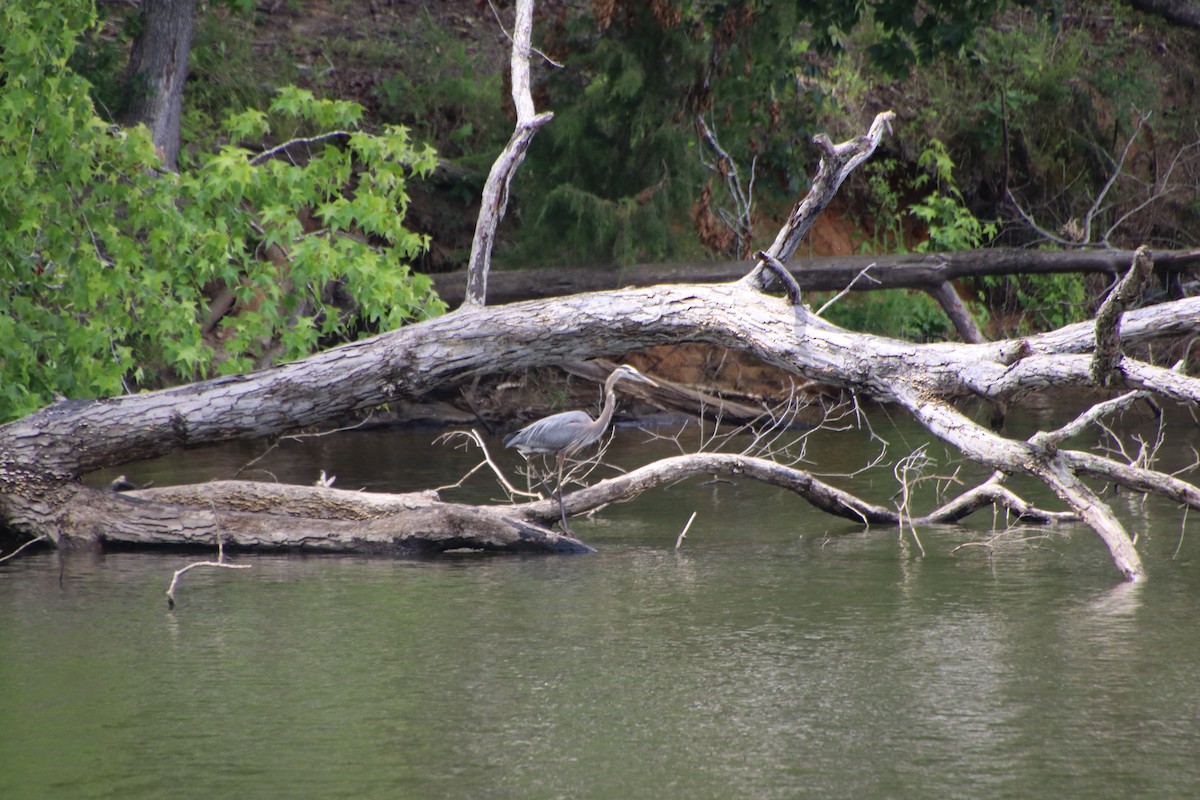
(263, 516)
(925, 271)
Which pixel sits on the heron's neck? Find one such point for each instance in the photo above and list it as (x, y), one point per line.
(610, 405)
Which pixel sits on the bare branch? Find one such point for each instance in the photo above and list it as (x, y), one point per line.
(741, 222)
(849, 286)
(957, 311)
(508, 36)
(1049, 440)
(279, 151)
(1053, 469)
(1163, 189)
(993, 493)
(473, 437)
(686, 528)
(14, 553)
(785, 277)
(1112, 179)
(836, 164)
(495, 190)
(220, 562)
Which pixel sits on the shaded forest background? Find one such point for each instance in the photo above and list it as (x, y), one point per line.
(1012, 119)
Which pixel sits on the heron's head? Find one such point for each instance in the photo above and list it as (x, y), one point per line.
(626, 371)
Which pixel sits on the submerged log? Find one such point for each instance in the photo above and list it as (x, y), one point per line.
(244, 515)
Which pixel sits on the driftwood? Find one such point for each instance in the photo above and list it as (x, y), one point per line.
(43, 455)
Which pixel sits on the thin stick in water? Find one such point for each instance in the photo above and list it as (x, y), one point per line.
(683, 533)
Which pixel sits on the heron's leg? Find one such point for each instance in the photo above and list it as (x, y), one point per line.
(558, 484)
(537, 476)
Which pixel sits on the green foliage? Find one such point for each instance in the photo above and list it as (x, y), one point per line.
(908, 31)
(100, 56)
(614, 178)
(614, 161)
(903, 313)
(227, 72)
(445, 96)
(1038, 110)
(1037, 302)
(622, 153)
(951, 225)
(106, 264)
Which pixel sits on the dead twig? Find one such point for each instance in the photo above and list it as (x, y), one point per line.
(14, 553)
(220, 562)
(464, 439)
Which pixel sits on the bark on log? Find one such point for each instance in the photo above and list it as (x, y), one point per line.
(259, 516)
(1108, 319)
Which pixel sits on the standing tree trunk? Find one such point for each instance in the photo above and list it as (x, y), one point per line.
(158, 69)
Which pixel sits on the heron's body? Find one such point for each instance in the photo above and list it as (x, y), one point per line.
(567, 433)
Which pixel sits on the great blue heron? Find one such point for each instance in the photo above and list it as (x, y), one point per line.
(567, 433)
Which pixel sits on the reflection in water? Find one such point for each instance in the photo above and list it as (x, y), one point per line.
(779, 653)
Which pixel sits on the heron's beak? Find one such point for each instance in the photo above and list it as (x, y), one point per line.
(644, 379)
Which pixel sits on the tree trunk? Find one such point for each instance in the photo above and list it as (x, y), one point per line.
(158, 66)
(1182, 12)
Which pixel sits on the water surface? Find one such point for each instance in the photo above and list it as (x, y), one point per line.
(777, 653)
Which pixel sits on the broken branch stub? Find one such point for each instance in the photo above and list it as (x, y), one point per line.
(837, 162)
(1107, 356)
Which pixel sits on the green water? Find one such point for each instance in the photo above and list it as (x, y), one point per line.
(777, 653)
